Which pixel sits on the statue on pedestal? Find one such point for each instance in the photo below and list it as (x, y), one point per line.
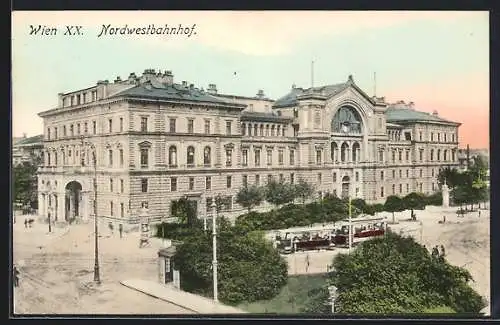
(446, 195)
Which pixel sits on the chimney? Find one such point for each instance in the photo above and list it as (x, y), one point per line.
(132, 77)
(191, 86)
(24, 135)
(148, 74)
(212, 89)
(60, 99)
(260, 93)
(435, 113)
(411, 105)
(168, 77)
(184, 83)
(118, 79)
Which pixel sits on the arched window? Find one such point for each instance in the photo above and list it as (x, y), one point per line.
(439, 154)
(207, 152)
(249, 129)
(172, 156)
(445, 155)
(261, 130)
(243, 129)
(343, 152)
(267, 130)
(334, 154)
(346, 120)
(432, 154)
(272, 130)
(355, 152)
(190, 155)
(255, 130)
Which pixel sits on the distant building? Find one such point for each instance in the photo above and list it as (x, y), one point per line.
(158, 141)
(26, 149)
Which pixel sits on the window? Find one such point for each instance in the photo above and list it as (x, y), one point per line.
(432, 172)
(292, 178)
(269, 157)
(453, 138)
(269, 178)
(393, 155)
(144, 124)
(64, 130)
(144, 185)
(267, 130)
(420, 172)
(381, 156)
(111, 185)
(433, 187)
(319, 178)
(85, 128)
(445, 137)
(382, 191)
(292, 157)
(171, 125)
(208, 182)
(393, 189)
(439, 137)
(295, 113)
(249, 130)
(432, 136)
(261, 130)
(94, 127)
(382, 175)
(421, 154)
(110, 158)
(400, 154)
(122, 210)
(144, 157)
(420, 187)
(283, 132)
(408, 136)
(190, 156)
(357, 176)
(206, 156)
(407, 188)
(121, 157)
(173, 184)
(318, 157)
(244, 180)
(78, 129)
(111, 208)
(280, 157)
(407, 173)
(393, 173)
(257, 180)
(257, 157)
(400, 173)
(228, 127)
(55, 133)
(190, 125)
(228, 181)
(172, 156)
(110, 125)
(191, 183)
(207, 127)
(122, 186)
(420, 136)
(272, 130)
(229, 157)
(334, 177)
(121, 124)
(243, 129)
(71, 130)
(244, 157)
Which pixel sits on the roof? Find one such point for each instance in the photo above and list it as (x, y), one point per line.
(393, 125)
(263, 117)
(405, 114)
(290, 99)
(31, 140)
(243, 97)
(156, 90)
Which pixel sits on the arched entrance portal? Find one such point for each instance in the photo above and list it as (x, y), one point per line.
(345, 187)
(72, 200)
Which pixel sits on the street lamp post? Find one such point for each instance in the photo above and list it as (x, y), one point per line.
(350, 225)
(97, 277)
(214, 247)
(50, 212)
(332, 290)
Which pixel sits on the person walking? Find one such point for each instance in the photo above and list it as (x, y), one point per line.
(444, 219)
(120, 229)
(442, 251)
(25, 223)
(435, 251)
(307, 263)
(479, 214)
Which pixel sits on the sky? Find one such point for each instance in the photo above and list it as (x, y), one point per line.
(438, 60)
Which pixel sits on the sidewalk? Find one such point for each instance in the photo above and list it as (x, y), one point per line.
(189, 301)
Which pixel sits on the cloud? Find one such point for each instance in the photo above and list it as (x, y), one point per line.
(247, 32)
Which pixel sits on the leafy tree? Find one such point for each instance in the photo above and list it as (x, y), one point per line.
(250, 197)
(249, 268)
(304, 190)
(394, 203)
(25, 185)
(414, 201)
(185, 211)
(451, 175)
(393, 274)
(278, 193)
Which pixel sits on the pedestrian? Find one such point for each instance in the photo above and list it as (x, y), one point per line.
(16, 276)
(442, 251)
(120, 229)
(435, 251)
(444, 219)
(307, 263)
(479, 214)
(110, 226)
(25, 223)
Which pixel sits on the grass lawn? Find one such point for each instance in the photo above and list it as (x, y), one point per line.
(292, 297)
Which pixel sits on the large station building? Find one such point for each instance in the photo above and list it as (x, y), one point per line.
(157, 140)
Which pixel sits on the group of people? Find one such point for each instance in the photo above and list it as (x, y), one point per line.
(120, 229)
(438, 251)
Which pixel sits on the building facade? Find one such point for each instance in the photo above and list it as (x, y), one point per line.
(27, 149)
(155, 141)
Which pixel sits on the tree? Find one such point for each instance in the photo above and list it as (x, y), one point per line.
(249, 268)
(185, 211)
(414, 201)
(25, 183)
(304, 190)
(394, 203)
(278, 193)
(250, 197)
(394, 274)
(451, 175)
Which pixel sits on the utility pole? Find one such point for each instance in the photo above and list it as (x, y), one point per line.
(214, 248)
(350, 225)
(97, 277)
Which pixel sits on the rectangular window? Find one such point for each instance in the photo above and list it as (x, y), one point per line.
(257, 157)
(420, 172)
(382, 191)
(400, 153)
(280, 157)
(269, 178)
(244, 157)
(121, 157)
(393, 156)
(144, 157)
(257, 180)
(432, 172)
(207, 126)
(94, 127)
(421, 154)
(282, 178)
(78, 129)
(111, 208)
(400, 188)
(111, 185)
(121, 124)
(382, 176)
(445, 137)
(318, 157)
(144, 185)
(208, 182)
(420, 186)
(172, 125)
(55, 133)
(334, 176)
(357, 176)
(228, 181)
(432, 136)
(269, 157)
(292, 178)
(110, 125)
(400, 173)
(190, 125)
(407, 155)
(319, 178)
(393, 189)
(191, 183)
(64, 131)
(122, 186)
(173, 184)
(144, 124)
(244, 180)
(229, 157)
(122, 210)
(228, 127)
(420, 136)
(110, 158)
(71, 130)
(85, 128)
(407, 173)
(393, 173)
(407, 188)
(243, 129)
(292, 157)
(439, 137)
